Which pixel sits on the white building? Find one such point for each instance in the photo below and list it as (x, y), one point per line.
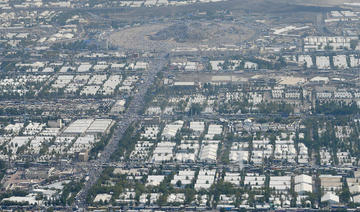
(331, 198)
(163, 152)
(170, 130)
(255, 180)
(184, 176)
(208, 152)
(323, 62)
(303, 184)
(305, 60)
(234, 178)
(280, 183)
(205, 179)
(340, 61)
(102, 197)
(154, 180)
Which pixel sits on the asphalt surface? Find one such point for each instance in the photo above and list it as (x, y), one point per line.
(131, 115)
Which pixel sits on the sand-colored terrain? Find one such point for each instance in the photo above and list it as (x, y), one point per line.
(212, 34)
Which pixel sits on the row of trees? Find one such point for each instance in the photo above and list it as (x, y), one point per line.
(336, 108)
(273, 107)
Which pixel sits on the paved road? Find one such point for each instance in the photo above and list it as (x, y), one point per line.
(130, 116)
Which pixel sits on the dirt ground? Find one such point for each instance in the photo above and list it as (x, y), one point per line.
(215, 35)
(217, 32)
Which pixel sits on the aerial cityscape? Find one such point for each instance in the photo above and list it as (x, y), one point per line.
(179, 105)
